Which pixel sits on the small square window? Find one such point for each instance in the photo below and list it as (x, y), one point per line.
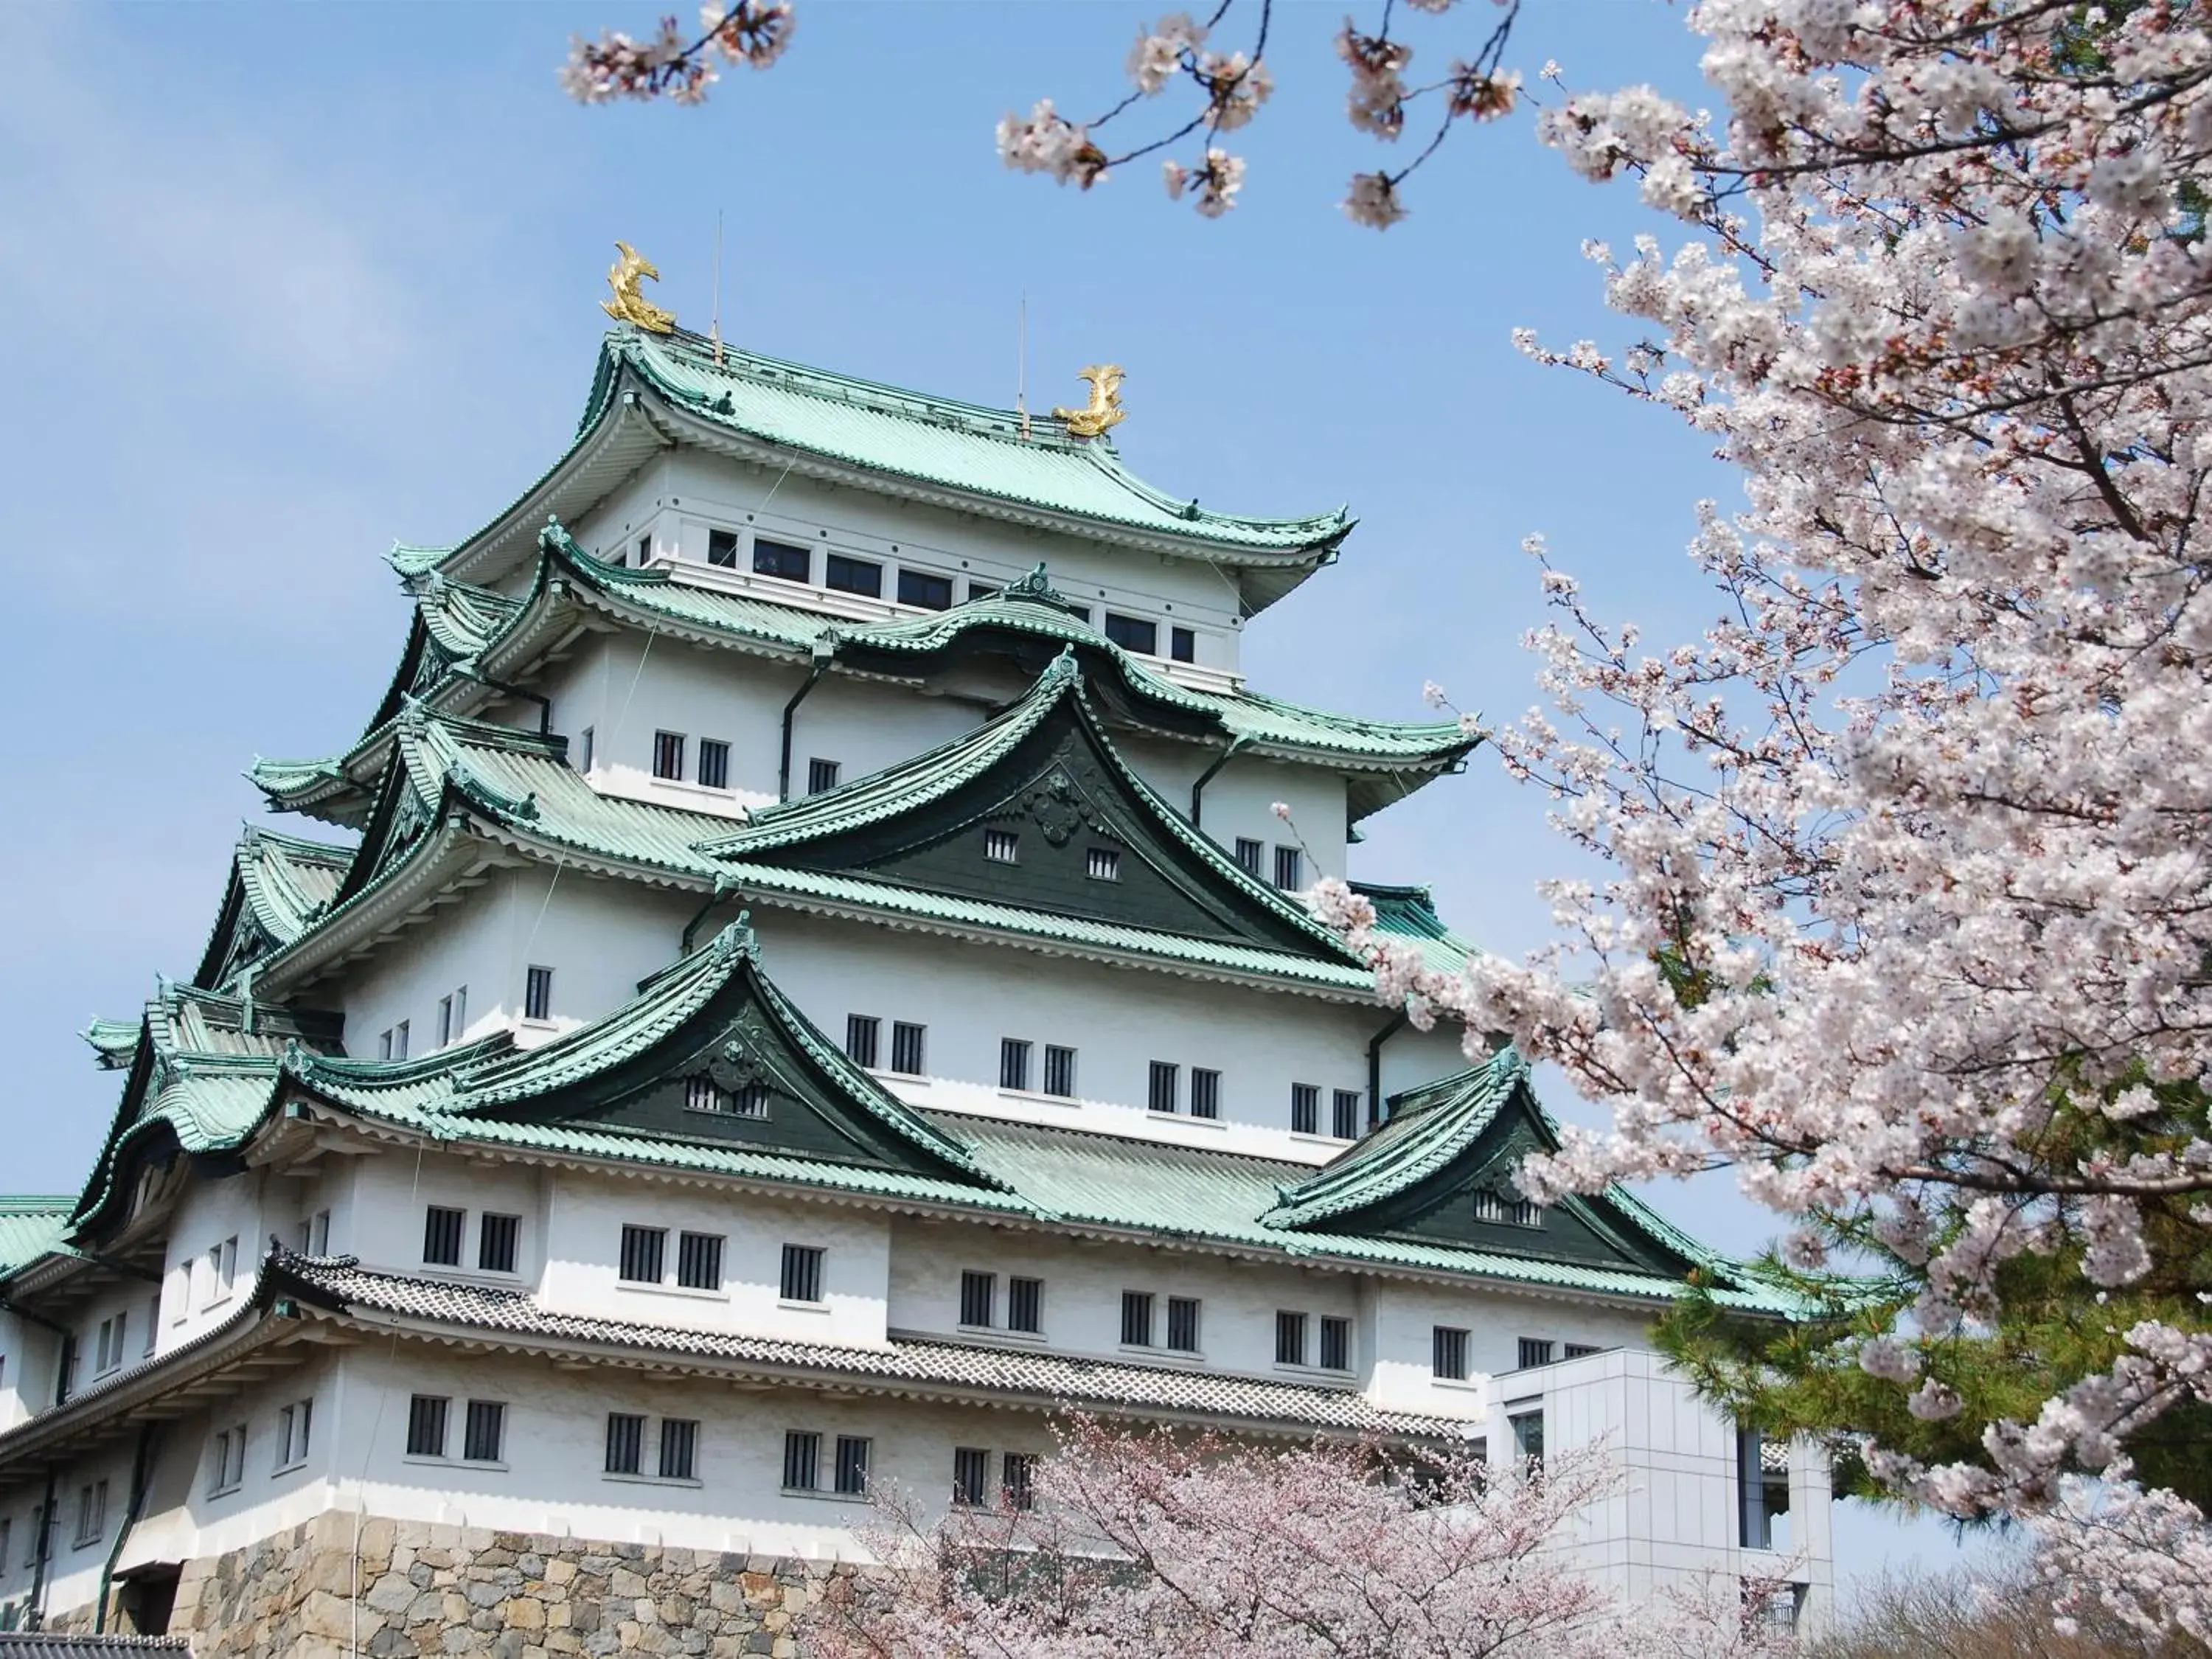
(979, 1296)
(1002, 846)
(1448, 1354)
(1344, 1113)
(426, 1425)
(1165, 1087)
(822, 776)
(907, 1048)
(1020, 1482)
(497, 1236)
(1249, 853)
(1025, 1305)
(1305, 1108)
(1204, 1092)
(484, 1431)
(782, 560)
(861, 1033)
(802, 1461)
(722, 549)
(1134, 634)
(849, 575)
(802, 1272)
(925, 591)
(644, 1253)
(538, 994)
(441, 1236)
(1289, 1339)
(851, 1476)
(1137, 1319)
(679, 1449)
(1104, 864)
(1182, 645)
(625, 1443)
(1533, 1351)
(1182, 1324)
(699, 1261)
(971, 1477)
(713, 763)
(668, 755)
(1579, 1351)
(1059, 1071)
(1335, 1344)
(1290, 869)
(92, 1513)
(384, 1043)
(1013, 1063)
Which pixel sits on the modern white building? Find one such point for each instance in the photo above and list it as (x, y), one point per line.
(802, 981)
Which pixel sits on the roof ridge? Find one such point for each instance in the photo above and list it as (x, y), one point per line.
(1078, 1131)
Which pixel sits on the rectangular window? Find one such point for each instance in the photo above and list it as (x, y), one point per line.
(644, 1255)
(538, 994)
(703, 1094)
(782, 561)
(441, 1236)
(668, 755)
(295, 1423)
(497, 1236)
(399, 1040)
(1248, 854)
(802, 1272)
(1013, 1063)
(802, 1460)
(699, 1261)
(821, 776)
(860, 1035)
(1059, 1071)
(226, 1468)
(906, 1048)
(1528, 1435)
(1182, 645)
(1002, 846)
(1204, 1092)
(1104, 864)
(852, 1471)
(1305, 1108)
(1507, 1209)
(625, 1443)
(713, 763)
(1020, 1481)
(679, 1449)
(1579, 1351)
(1136, 1319)
(154, 1322)
(1166, 1085)
(426, 1425)
(722, 549)
(1290, 869)
(849, 575)
(1533, 1351)
(225, 1255)
(1289, 1339)
(750, 1100)
(983, 590)
(971, 1477)
(1081, 613)
(384, 1043)
(484, 1431)
(979, 1298)
(1335, 1344)
(91, 1513)
(1025, 1305)
(644, 549)
(1344, 1113)
(445, 1021)
(1182, 1324)
(1448, 1354)
(584, 746)
(1134, 634)
(927, 592)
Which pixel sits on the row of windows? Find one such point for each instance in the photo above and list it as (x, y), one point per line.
(1014, 1054)
(1163, 1091)
(498, 1239)
(1290, 863)
(864, 1043)
(1024, 1303)
(1333, 1353)
(1448, 1352)
(925, 590)
(392, 1042)
(294, 1429)
(1344, 1111)
(483, 1428)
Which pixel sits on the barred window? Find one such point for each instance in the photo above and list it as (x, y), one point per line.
(1533, 1351)
(668, 755)
(971, 1477)
(497, 1239)
(1104, 864)
(979, 1296)
(1137, 1319)
(1335, 1344)
(849, 575)
(484, 1431)
(713, 763)
(1305, 1108)
(1448, 1354)
(861, 1034)
(625, 1443)
(1290, 869)
(802, 1272)
(1508, 1209)
(538, 994)
(802, 1460)
(679, 1449)
(905, 1048)
(644, 1255)
(441, 1236)
(1059, 1071)
(1166, 1085)
(1346, 1114)
(1289, 1339)
(1002, 846)
(699, 1261)
(822, 776)
(1020, 1480)
(1249, 856)
(426, 1425)
(851, 1476)
(1025, 1305)
(1182, 1324)
(1204, 1092)
(1013, 1063)
(703, 1094)
(1579, 1351)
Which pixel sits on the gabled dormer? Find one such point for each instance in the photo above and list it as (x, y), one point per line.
(279, 887)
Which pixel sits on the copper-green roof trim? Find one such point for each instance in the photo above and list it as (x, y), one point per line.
(30, 1227)
(113, 1041)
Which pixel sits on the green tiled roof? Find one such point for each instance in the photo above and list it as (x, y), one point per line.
(288, 881)
(30, 1228)
(113, 1040)
(1409, 913)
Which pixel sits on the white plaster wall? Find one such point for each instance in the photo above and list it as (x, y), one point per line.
(390, 1195)
(464, 943)
(1401, 1317)
(1239, 801)
(208, 1210)
(27, 1356)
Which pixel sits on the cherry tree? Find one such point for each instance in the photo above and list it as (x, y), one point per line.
(1130, 1543)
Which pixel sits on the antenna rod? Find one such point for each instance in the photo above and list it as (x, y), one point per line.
(717, 324)
(1021, 366)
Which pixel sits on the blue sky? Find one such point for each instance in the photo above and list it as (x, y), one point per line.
(288, 283)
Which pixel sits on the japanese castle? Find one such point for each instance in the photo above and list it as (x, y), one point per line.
(801, 980)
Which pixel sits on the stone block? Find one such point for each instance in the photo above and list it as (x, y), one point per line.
(627, 1631)
(626, 1585)
(427, 1606)
(532, 1563)
(675, 1610)
(333, 1616)
(727, 1595)
(391, 1594)
(525, 1613)
(455, 1608)
(559, 1572)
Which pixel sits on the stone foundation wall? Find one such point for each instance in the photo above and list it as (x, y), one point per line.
(452, 1591)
